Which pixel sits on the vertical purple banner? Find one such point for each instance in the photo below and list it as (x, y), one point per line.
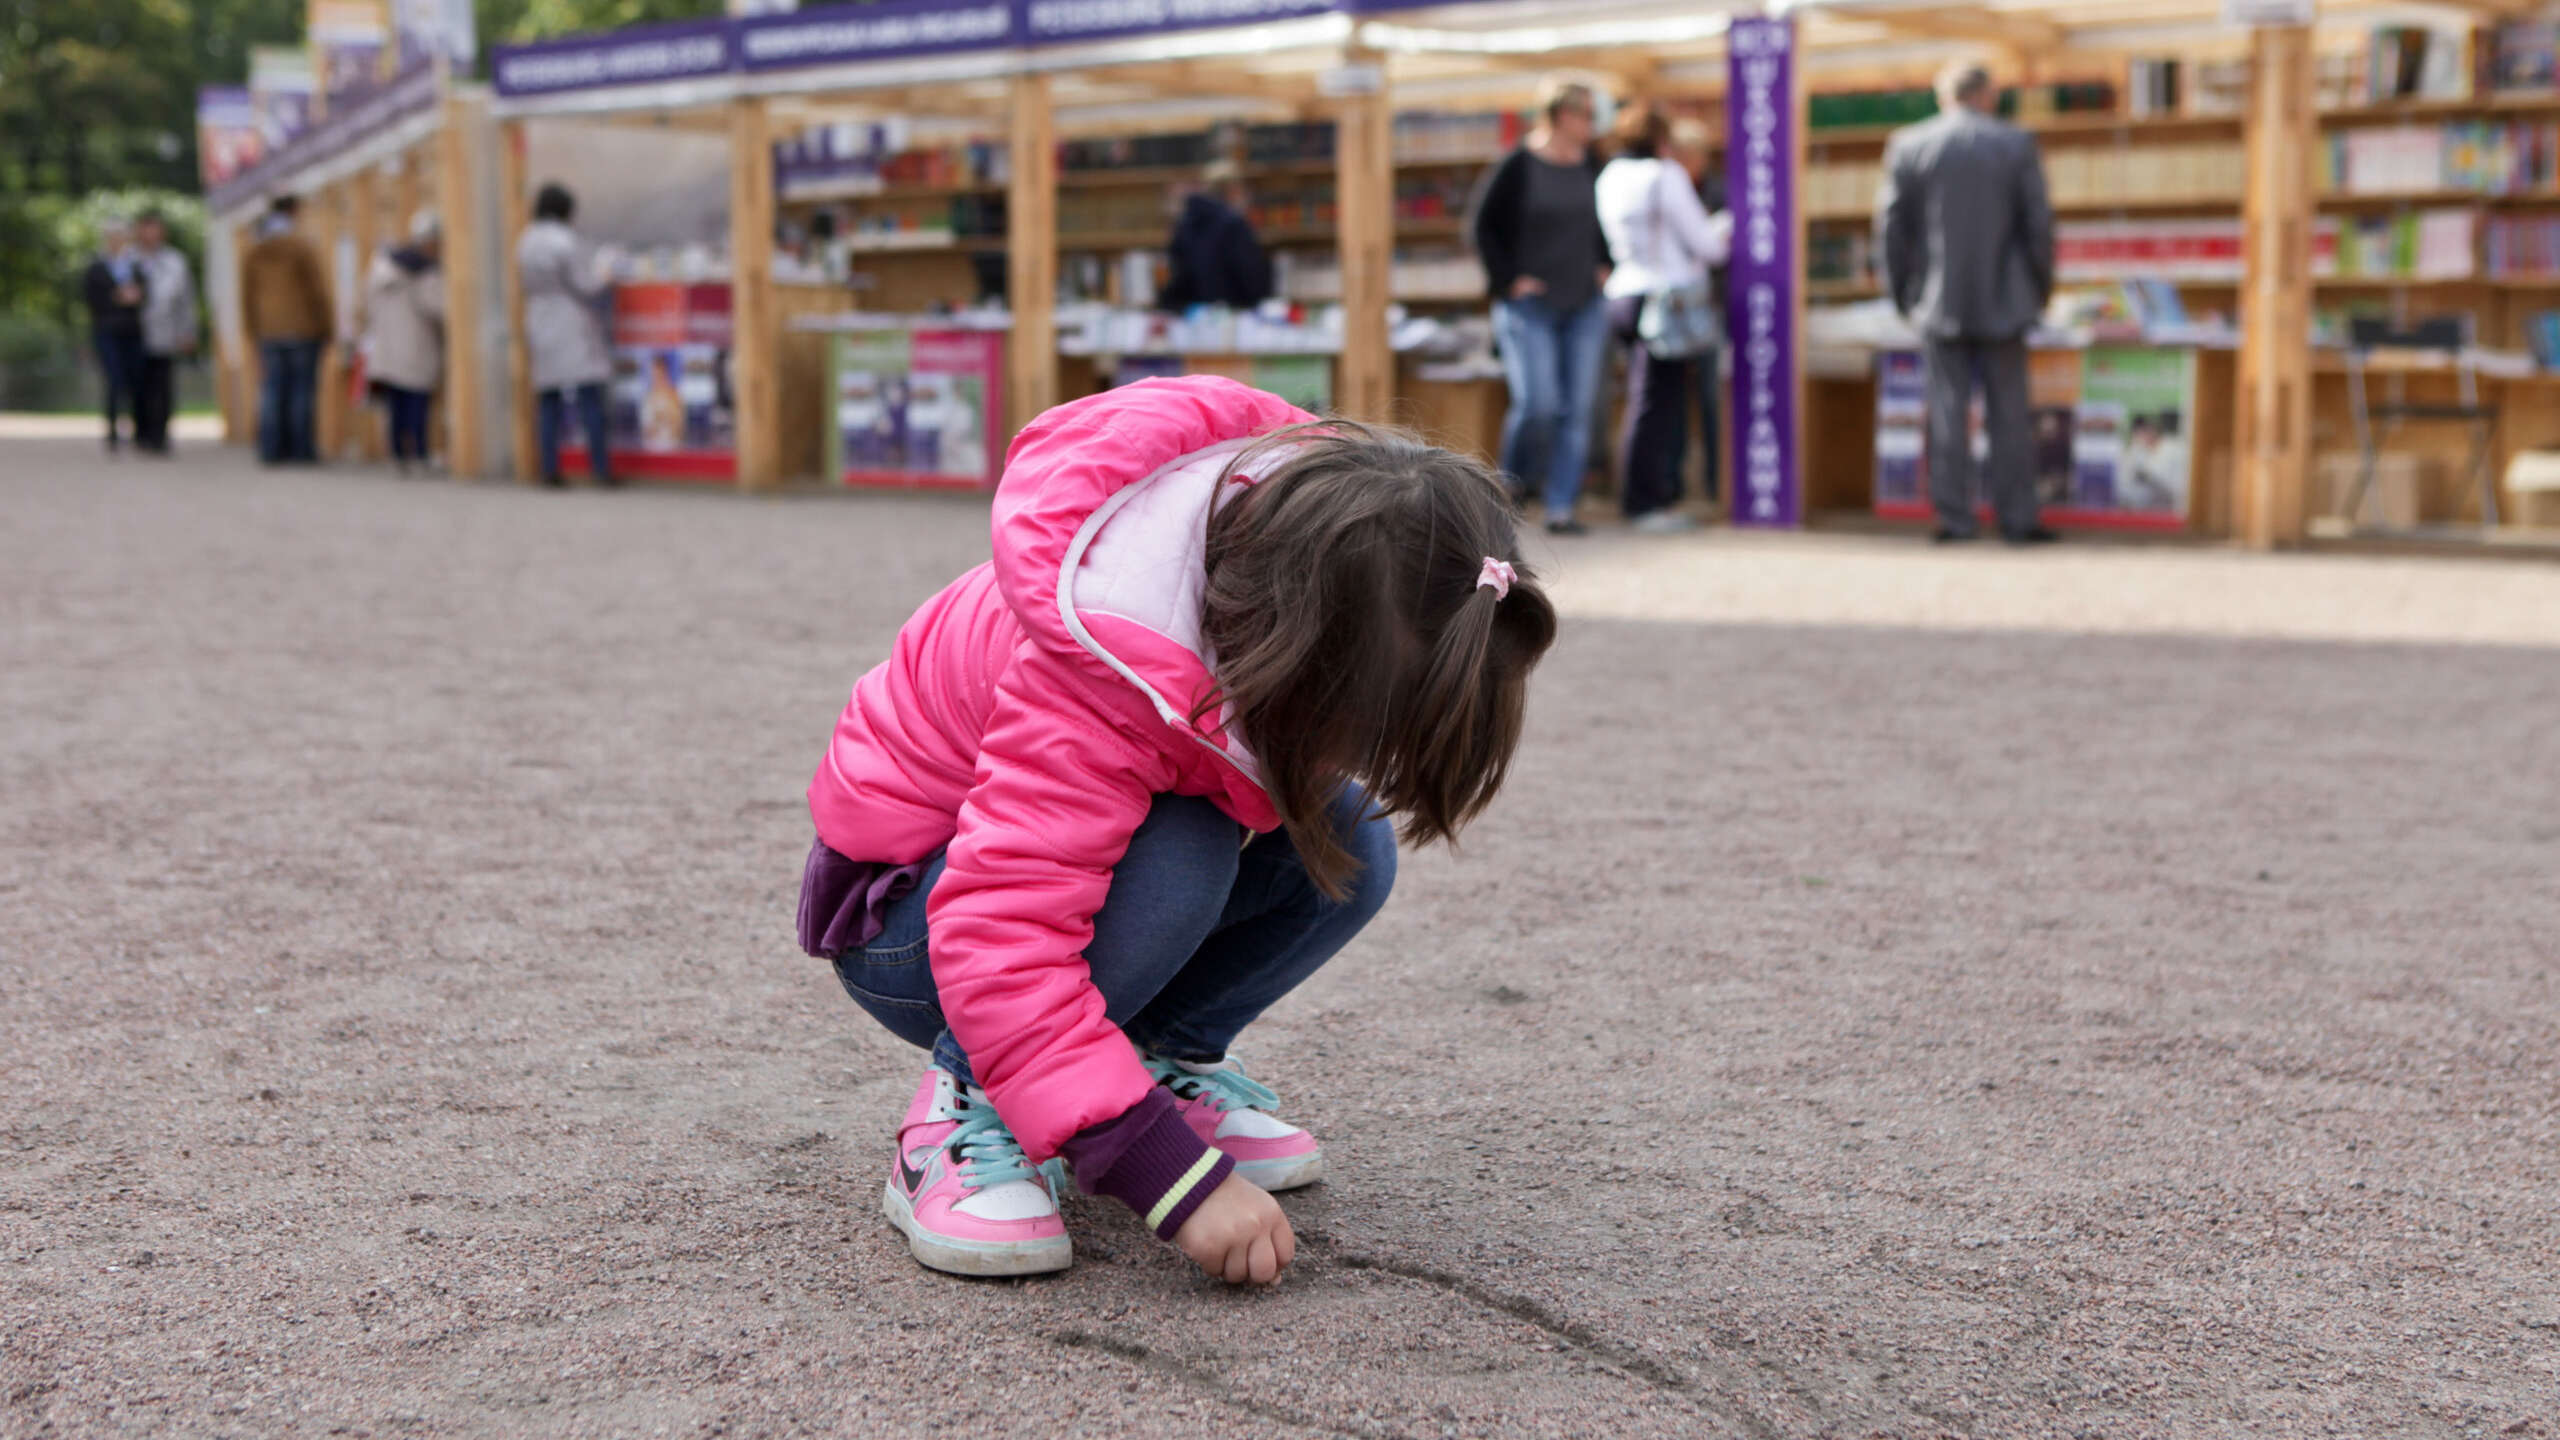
(1760, 280)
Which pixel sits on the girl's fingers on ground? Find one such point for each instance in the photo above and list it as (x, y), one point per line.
(1265, 1260)
(1239, 1265)
(1286, 1242)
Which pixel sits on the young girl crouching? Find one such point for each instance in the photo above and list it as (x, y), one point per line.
(1121, 788)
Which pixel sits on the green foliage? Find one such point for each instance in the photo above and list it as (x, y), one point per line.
(507, 22)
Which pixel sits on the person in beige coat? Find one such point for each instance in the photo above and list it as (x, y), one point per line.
(404, 335)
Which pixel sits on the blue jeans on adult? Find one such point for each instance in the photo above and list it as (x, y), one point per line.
(553, 413)
(120, 374)
(1708, 371)
(1551, 360)
(1195, 939)
(291, 373)
(408, 414)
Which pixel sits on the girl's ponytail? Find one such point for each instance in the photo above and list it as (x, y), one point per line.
(1373, 620)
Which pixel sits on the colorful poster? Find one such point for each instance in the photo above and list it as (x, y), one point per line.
(425, 31)
(2053, 404)
(349, 42)
(1760, 282)
(671, 412)
(917, 408)
(2111, 426)
(228, 140)
(1902, 429)
(2149, 394)
(281, 91)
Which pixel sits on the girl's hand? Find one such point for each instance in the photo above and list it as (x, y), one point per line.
(1238, 1235)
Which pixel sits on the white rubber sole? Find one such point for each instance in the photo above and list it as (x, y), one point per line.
(973, 1257)
(1277, 1175)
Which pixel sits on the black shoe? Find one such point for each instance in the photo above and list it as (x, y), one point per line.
(1944, 536)
(1567, 527)
(2035, 535)
(554, 482)
(608, 482)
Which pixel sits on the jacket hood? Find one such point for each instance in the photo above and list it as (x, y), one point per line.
(1100, 533)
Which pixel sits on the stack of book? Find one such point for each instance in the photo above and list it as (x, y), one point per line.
(2524, 247)
(1423, 136)
(2439, 244)
(2493, 158)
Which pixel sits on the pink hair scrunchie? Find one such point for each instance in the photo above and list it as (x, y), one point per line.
(1499, 575)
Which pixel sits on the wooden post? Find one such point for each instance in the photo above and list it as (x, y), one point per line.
(326, 209)
(755, 319)
(2281, 132)
(1031, 253)
(365, 199)
(1365, 200)
(235, 369)
(466, 453)
(511, 222)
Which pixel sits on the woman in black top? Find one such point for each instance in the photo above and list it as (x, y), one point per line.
(1538, 233)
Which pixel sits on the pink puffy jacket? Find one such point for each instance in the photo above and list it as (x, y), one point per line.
(1027, 718)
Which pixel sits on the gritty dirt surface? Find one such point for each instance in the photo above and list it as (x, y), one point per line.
(1838, 1029)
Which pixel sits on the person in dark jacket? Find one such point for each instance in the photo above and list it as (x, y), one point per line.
(1216, 258)
(1537, 229)
(112, 287)
(1967, 238)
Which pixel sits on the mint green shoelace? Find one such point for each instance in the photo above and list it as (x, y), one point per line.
(989, 1155)
(1227, 1088)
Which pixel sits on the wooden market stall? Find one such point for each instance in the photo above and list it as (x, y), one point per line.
(420, 141)
(923, 157)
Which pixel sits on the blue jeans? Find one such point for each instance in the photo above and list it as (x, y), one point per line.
(1195, 938)
(120, 374)
(1551, 360)
(554, 417)
(408, 412)
(290, 373)
(1708, 370)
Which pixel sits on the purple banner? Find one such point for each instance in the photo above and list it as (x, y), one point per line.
(1066, 22)
(884, 30)
(1760, 280)
(644, 55)
(362, 118)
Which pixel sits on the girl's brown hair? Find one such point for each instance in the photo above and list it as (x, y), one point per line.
(1352, 637)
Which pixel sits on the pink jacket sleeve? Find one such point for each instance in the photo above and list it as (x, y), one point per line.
(1059, 790)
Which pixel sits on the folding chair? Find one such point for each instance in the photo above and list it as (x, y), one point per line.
(2442, 337)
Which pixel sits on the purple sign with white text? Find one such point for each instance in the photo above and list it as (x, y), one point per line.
(1058, 22)
(1760, 280)
(646, 55)
(883, 30)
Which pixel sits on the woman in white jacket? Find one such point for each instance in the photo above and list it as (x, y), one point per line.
(1659, 234)
(564, 332)
(404, 335)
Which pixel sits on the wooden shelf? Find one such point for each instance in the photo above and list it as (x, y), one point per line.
(2129, 205)
(2398, 282)
(2351, 199)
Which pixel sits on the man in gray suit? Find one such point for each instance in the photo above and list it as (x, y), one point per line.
(1967, 238)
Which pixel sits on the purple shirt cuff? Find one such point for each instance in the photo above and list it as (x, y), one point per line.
(1150, 1160)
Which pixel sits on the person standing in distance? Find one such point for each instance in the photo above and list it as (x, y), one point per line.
(564, 332)
(112, 286)
(171, 322)
(1536, 226)
(285, 299)
(1967, 238)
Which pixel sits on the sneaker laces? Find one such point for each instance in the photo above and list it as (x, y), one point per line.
(1225, 1088)
(986, 1149)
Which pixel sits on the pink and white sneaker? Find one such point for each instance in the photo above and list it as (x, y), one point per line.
(1233, 1111)
(969, 1200)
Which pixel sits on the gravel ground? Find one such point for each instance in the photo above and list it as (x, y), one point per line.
(1902, 994)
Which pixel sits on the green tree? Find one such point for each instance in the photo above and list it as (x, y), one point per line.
(508, 22)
